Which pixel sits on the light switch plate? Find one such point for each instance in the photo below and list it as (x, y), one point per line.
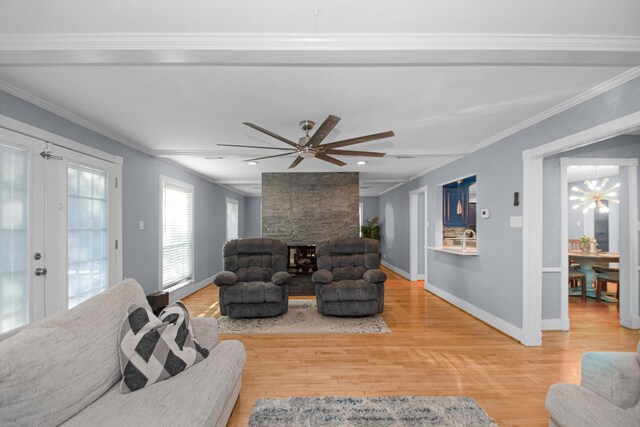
(515, 222)
(485, 213)
(141, 225)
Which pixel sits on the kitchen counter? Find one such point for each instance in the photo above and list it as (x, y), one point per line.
(456, 250)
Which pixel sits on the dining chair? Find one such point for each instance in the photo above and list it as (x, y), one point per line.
(574, 245)
(606, 275)
(578, 278)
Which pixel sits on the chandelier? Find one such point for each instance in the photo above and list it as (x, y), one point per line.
(594, 195)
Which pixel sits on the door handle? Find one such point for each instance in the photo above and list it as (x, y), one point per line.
(41, 272)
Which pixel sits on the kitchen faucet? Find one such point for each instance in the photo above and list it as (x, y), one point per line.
(464, 238)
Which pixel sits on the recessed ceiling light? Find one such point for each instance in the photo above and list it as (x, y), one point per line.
(253, 163)
(361, 162)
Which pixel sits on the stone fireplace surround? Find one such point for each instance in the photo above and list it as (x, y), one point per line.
(302, 208)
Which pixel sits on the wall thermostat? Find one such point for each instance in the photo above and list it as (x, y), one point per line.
(485, 213)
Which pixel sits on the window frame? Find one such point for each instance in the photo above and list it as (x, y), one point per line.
(230, 200)
(191, 189)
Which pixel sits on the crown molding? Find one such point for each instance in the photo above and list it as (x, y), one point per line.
(32, 99)
(564, 106)
(318, 41)
(310, 48)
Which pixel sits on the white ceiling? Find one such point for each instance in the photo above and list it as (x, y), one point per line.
(194, 71)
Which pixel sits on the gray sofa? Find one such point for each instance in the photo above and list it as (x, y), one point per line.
(65, 370)
(608, 394)
(255, 282)
(348, 281)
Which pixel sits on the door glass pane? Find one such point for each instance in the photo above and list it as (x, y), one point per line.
(88, 260)
(14, 235)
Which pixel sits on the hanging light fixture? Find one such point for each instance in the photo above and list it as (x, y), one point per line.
(594, 195)
(459, 207)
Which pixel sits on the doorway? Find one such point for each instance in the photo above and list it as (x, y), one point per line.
(419, 226)
(591, 199)
(532, 251)
(60, 222)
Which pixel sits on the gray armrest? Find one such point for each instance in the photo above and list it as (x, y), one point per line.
(205, 330)
(322, 276)
(225, 278)
(614, 376)
(281, 278)
(374, 275)
(572, 405)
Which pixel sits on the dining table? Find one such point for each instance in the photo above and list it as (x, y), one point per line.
(588, 259)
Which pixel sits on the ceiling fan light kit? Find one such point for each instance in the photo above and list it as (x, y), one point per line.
(311, 146)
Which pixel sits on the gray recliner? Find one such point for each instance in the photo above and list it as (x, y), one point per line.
(255, 282)
(348, 281)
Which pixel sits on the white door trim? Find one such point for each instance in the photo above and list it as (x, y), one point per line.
(45, 136)
(413, 233)
(625, 303)
(532, 211)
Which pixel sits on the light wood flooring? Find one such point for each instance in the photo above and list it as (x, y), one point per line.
(434, 349)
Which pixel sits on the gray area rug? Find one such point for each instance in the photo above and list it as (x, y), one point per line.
(369, 411)
(303, 318)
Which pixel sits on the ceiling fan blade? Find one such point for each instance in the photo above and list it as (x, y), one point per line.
(271, 134)
(256, 146)
(330, 159)
(354, 153)
(268, 157)
(296, 162)
(359, 139)
(325, 128)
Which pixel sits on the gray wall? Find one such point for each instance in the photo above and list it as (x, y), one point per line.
(621, 147)
(304, 208)
(252, 217)
(369, 208)
(492, 281)
(141, 198)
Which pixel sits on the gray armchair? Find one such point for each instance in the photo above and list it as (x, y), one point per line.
(608, 394)
(255, 282)
(348, 281)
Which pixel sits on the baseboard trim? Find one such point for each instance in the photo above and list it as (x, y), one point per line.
(488, 318)
(187, 290)
(555, 324)
(396, 270)
(633, 324)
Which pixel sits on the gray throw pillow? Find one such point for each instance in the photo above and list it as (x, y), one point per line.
(155, 348)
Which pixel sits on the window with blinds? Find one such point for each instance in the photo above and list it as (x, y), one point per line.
(177, 232)
(232, 219)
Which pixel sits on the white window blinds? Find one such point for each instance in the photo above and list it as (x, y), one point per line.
(232, 219)
(177, 233)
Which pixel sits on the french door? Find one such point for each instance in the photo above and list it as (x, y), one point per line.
(59, 225)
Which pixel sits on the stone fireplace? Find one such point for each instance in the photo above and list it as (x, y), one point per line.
(303, 208)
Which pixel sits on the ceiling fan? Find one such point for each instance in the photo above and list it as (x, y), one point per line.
(310, 146)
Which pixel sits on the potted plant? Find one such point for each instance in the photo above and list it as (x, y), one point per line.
(372, 228)
(587, 243)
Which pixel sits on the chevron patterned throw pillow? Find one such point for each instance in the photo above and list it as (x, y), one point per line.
(155, 348)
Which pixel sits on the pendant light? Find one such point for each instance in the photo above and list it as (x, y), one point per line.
(594, 195)
(459, 207)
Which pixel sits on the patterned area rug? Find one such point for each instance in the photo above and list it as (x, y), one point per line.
(303, 318)
(369, 411)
